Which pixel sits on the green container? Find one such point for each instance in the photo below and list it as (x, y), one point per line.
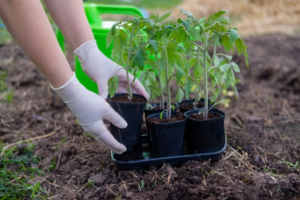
(100, 30)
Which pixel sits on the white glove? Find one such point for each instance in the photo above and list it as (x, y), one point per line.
(100, 69)
(90, 109)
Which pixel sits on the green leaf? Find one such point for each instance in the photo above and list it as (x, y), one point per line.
(233, 35)
(118, 48)
(185, 23)
(232, 78)
(239, 46)
(201, 20)
(139, 59)
(142, 184)
(171, 51)
(198, 71)
(153, 43)
(226, 43)
(179, 95)
(219, 13)
(165, 16)
(215, 96)
(161, 115)
(188, 85)
(152, 64)
(180, 36)
(192, 62)
(242, 48)
(186, 13)
(113, 86)
(216, 61)
(235, 67)
(178, 76)
(109, 39)
(194, 33)
(162, 79)
(225, 67)
(151, 23)
(113, 28)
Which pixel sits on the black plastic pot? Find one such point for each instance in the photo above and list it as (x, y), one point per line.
(167, 139)
(133, 115)
(152, 111)
(190, 101)
(205, 136)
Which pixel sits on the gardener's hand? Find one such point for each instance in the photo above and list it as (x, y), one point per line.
(90, 109)
(99, 68)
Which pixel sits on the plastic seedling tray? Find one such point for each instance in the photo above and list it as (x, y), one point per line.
(147, 160)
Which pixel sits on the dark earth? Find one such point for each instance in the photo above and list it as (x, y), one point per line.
(124, 98)
(177, 117)
(262, 126)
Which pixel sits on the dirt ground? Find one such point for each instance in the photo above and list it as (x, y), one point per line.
(263, 131)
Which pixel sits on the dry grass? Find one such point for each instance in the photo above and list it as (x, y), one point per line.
(252, 17)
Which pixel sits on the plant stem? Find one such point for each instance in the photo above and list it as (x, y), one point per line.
(197, 94)
(205, 113)
(161, 106)
(127, 68)
(167, 79)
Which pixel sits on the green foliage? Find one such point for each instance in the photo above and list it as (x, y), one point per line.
(6, 93)
(17, 168)
(159, 50)
(129, 41)
(211, 72)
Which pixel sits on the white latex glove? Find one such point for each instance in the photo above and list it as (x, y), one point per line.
(100, 69)
(90, 109)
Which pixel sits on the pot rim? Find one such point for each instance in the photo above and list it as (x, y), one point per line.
(151, 116)
(188, 113)
(127, 103)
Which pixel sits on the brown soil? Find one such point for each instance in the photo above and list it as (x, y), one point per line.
(262, 132)
(191, 105)
(124, 98)
(175, 118)
(211, 115)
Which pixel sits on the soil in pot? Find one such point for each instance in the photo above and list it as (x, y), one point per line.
(187, 105)
(205, 135)
(167, 135)
(156, 109)
(132, 112)
(124, 98)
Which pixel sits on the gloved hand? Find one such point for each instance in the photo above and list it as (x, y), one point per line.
(100, 69)
(90, 109)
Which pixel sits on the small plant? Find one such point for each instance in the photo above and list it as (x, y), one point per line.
(164, 44)
(216, 70)
(128, 49)
(296, 165)
(6, 93)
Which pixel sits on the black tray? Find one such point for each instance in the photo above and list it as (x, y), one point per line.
(172, 160)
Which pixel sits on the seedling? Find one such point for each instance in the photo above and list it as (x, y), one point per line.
(161, 114)
(128, 49)
(206, 33)
(164, 45)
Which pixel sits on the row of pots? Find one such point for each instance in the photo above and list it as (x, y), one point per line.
(167, 139)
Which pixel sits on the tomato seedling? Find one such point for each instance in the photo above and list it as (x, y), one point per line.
(218, 70)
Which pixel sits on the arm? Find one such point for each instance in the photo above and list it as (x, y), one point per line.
(28, 24)
(71, 20)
